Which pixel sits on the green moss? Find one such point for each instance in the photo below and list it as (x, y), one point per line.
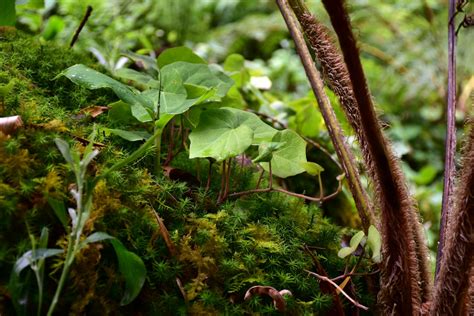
(221, 250)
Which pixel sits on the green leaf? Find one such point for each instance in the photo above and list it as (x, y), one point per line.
(63, 147)
(266, 151)
(175, 54)
(344, 252)
(201, 75)
(131, 136)
(235, 65)
(147, 62)
(133, 270)
(173, 94)
(136, 76)
(8, 13)
(121, 112)
(131, 266)
(53, 27)
(426, 175)
(262, 132)
(220, 134)
(91, 79)
(356, 239)
(287, 161)
(354, 243)
(312, 168)
(234, 62)
(60, 210)
(374, 242)
(31, 256)
(95, 237)
(308, 120)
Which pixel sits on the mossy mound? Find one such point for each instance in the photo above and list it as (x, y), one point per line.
(220, 250)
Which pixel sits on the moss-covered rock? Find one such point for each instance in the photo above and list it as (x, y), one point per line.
(220, 250)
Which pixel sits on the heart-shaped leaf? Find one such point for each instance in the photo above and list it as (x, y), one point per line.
(312, 168)
(288, 159)
(266, 151)
(201, 75)
(220, 134)
(175, 54)
(262, 132)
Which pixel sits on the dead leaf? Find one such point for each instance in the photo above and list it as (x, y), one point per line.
(94, 111)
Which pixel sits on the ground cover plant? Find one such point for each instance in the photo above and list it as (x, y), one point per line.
(165, 180)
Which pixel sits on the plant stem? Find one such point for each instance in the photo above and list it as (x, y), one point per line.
(72, 245)
(81, 26)
(209, 173)
(323, 278)
(450, 145)
(270, 175)
(260, 178)
(363, 205)
(222, 188)
(158, 132)
(321, 189)
(169, 155)
(298, 195)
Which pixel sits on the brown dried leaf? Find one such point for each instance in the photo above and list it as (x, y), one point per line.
(94, 111)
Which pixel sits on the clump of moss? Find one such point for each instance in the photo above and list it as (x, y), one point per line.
(221, 250)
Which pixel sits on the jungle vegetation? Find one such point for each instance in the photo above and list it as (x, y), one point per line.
(236, 157)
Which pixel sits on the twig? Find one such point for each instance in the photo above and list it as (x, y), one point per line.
(450, 145)
(165, 233)
(323, 278)
(326, 289)
(298, 195)
(81, 26)
(354, 274)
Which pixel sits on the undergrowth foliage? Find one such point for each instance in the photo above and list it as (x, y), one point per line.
(222, 249)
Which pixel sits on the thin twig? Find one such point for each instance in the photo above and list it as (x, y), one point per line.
(323, 278)
(298, 195)
(81, 26)
(350, 274)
